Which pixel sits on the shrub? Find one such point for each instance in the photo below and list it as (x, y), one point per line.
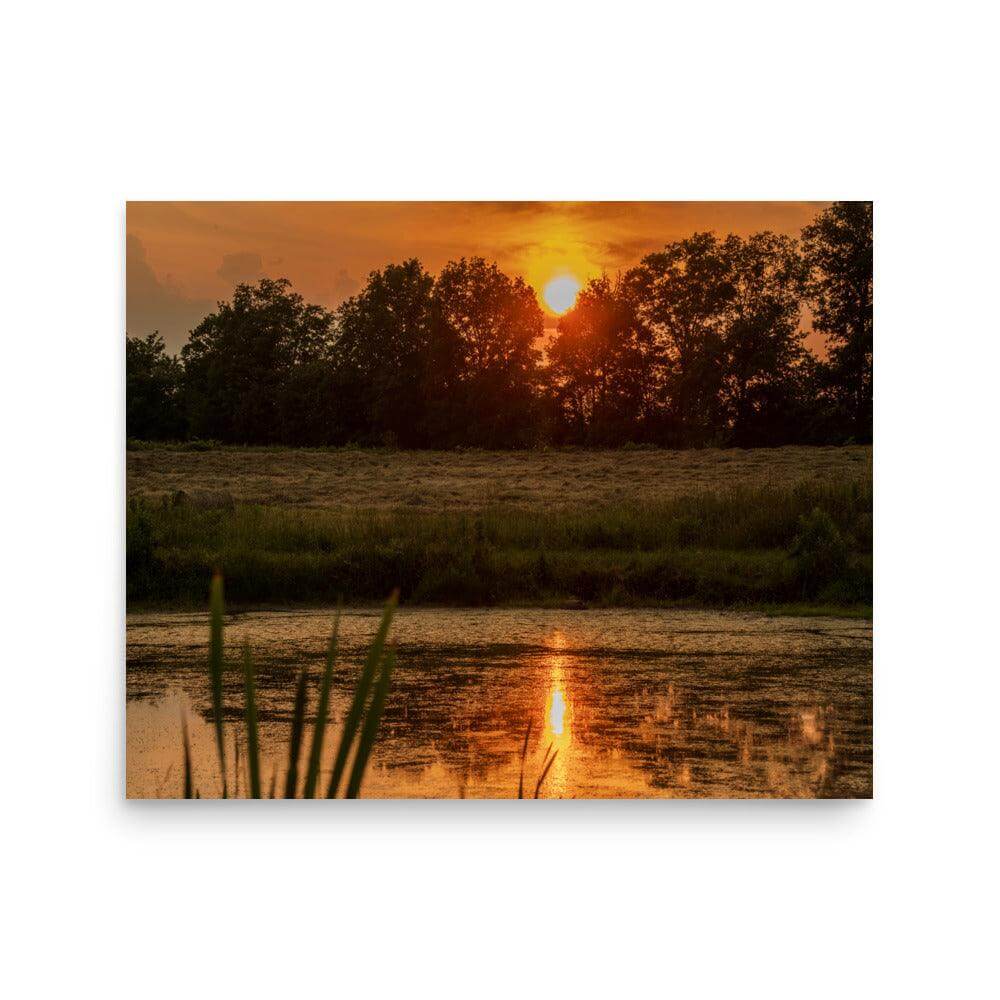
(819, 551)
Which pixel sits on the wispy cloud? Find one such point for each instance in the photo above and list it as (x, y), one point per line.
(240, 267)
(155, 304)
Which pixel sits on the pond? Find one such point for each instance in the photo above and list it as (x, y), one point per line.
(633, 703)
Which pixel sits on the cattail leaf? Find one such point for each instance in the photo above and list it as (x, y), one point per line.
(545, 771)
(361, 691)
(322, 711)
(215, 667)
(370, 728)
(253, 744)
(524, 753)
(188, 782)
(295, 742)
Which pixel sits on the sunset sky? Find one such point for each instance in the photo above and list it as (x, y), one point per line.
(182, 257)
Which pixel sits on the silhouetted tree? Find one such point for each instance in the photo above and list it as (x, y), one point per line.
(153, 406)
(838, 248)
(244, 364)
(700, 343)
(681, 294)
(603, 368)
(725, 318)
(762, 340)
(396, 358)
(495, 322)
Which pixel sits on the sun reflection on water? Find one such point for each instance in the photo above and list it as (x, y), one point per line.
(611, 725)
(557, 712)
(557, 734)
(558, 705)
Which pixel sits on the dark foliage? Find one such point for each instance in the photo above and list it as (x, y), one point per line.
(247, 366)
(153, 382)
(838, 249)
(699, 344)
(747, 547)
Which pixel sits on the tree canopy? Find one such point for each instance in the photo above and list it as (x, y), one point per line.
(700, 343)
(153, 384)
(839, 252)
(244, 363)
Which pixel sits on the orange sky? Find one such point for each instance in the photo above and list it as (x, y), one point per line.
(181, 257)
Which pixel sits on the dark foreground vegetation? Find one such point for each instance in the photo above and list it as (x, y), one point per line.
(304, 776)
(357, 738)
(807, 545)
(702, 343)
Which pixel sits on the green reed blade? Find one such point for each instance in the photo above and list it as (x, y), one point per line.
(322, 711)
(370, 728)
(274, 783)
(217, 609)
(253, 744)
(295, 742)
(524, 753)
(353, 719)
(545, 772)
(188, 783)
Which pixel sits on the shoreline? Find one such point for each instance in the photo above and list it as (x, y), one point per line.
(857, 612)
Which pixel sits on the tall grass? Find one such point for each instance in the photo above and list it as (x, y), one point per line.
(295, 741)
(319, 730)
(719, 549)
(215, 668)
(547, 761)
(361, 724)
(365, 713)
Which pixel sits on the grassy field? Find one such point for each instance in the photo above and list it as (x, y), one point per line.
(353, 479)
(758, 529)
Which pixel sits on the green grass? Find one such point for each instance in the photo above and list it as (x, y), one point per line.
(365, 714)
(807, 545)
(361, 724)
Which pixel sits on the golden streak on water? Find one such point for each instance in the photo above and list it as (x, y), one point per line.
(558, 722)
(617, 729)
(557, 712)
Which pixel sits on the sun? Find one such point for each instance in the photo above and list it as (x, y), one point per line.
(560, 293)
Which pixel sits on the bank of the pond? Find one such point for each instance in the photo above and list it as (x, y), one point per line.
(806, 547)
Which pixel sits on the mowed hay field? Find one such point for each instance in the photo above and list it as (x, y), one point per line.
(347, 478)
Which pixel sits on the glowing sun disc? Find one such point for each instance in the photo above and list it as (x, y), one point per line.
(560, 293)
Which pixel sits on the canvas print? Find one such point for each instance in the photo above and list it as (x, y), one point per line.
(520, 500)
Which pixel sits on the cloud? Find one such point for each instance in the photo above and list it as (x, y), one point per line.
(155, 304)
(625, 253)
(240, 267)
(343, 287)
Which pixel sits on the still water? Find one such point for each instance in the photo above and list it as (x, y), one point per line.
(634, 703)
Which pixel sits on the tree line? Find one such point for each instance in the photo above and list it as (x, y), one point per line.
(701, 343)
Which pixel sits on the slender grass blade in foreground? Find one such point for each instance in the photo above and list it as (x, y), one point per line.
(545, 770)
(353, 719)
(253, 744)
(370, 728)
(188, 783)
(216, 609)
(377, 662)
(524, 753)
(322, 712)
(295, 742)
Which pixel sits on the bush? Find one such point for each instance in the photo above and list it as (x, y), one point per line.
(819, 551)
(731, 549)
(139, 559)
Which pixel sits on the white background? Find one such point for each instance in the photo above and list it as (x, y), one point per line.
(106, 102)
